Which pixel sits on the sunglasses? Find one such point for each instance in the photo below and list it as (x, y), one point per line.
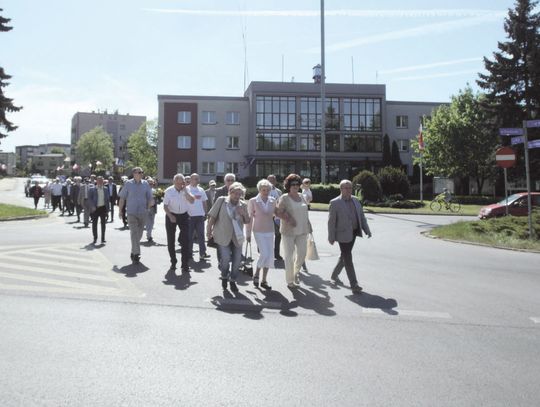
(294, 184)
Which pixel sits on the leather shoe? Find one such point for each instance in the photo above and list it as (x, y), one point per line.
(356, 289)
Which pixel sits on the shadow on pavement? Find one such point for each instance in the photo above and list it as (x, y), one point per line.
(200, 266)
(237, 304)
(366, 300)
(309, 300)
(181, 282)
(131, 270)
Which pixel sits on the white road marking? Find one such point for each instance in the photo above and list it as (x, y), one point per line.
(61, 283)
(407, 313)
(44, 270)
(39, 262)
(241, 302)
(535, 320)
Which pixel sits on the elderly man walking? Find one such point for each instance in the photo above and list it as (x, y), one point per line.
(346, 220)
(137, 195)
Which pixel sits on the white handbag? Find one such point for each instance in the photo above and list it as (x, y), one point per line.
(311, 253)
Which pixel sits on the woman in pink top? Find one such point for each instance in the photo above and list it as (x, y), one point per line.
(261, 211)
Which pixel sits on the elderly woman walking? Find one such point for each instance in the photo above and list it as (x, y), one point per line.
(292, 208)
(261, 209)
(226, 222)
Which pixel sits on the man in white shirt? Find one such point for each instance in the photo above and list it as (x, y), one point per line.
(176, 204)
(56, 195)
(197, 215)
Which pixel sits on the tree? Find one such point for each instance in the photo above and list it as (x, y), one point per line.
(512, 84)
(58, 150)
(459, 140)
(93, 146)
(386, 154)
(142, 148)
(394, 181)
(395, 161)
(6, 104)
(368, 184)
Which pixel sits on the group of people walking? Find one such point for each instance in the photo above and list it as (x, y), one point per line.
(278, 221)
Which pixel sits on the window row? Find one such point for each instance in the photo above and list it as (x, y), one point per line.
(312, 142)
(209, 117)
(402, 121)
(209, 167)
(208, 143)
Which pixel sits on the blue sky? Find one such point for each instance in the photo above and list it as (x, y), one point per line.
(72, 55)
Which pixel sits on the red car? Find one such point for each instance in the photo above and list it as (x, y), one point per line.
(517, 206)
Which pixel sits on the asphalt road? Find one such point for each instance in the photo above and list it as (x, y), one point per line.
(439, 323)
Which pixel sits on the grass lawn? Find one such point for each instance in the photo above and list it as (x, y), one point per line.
(508, 231)
(470, 210)
(12, 211)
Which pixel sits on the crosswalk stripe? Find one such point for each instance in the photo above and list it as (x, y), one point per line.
(32, 260)
(58, 290)
(56, 272)
(407, 313)
(61, 283)
(75, 256)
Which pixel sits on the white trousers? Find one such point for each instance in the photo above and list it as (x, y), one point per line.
(294, 250)
(265, 244)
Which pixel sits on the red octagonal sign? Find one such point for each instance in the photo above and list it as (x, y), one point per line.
(505, 157)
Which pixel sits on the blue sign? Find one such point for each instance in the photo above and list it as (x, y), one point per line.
(533, 123)
(534, 144)
(516, 140)
(511, 132)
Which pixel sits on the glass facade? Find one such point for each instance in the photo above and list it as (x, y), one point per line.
(362, 114)
(276, 112)
(276, 142)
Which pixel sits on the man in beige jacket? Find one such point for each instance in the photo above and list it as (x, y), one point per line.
(346, 220)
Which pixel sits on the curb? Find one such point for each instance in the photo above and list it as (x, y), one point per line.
(429, 235)
(28, 217)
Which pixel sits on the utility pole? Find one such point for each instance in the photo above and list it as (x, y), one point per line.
(323, 102)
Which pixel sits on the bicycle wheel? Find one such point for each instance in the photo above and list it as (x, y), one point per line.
(455, 206)
(435, 206)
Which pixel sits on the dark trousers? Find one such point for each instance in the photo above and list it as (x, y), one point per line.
(345, 260)
(56, 201)
(182, 222)
(68, 206)
(277, 240)
(36, 201)
(99, 213)
(111, 204)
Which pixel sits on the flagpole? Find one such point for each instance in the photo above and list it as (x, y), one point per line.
(421, 180)
(421, 150)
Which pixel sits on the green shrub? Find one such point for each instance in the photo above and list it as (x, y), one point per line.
(369, 186)
(394, 181)
(324, 193)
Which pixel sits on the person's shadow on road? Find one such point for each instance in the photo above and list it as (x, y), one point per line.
(237, 304)
(367, 300)
(181, 282)
(307, 299)
(131, 270)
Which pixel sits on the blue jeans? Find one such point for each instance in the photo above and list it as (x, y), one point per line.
(226, 255)
(196, 223)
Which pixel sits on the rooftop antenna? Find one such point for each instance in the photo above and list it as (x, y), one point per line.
(352, 68)
(244, 35)
(376, 77)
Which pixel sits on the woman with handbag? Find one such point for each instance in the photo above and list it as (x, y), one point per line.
(292, 208)
(261, 209)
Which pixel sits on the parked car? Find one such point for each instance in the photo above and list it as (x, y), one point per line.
(517, 206)
(40, 179)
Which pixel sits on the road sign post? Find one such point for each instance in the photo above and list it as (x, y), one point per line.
(505, 157)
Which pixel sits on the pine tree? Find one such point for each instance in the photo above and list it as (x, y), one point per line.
(396, 159)
(6, 104)
(386, 154)
(512, 85)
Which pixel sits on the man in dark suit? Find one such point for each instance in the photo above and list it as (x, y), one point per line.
(99, 202)
(75, 190)
(66, 198)
(346, 220)
(113, 194)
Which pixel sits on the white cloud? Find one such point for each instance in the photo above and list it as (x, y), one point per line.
(435, 75)
(329, 13)
(430, 66)
(423, 30)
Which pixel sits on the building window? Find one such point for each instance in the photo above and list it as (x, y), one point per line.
(281, 168)
(209, 143)
(233, 143)
(183, 142)
(310, 142)
(221, 167)
(361, 114)
(402, 122)
(232, 168)
(403, 145)
(183, 167)
(232, 118)
(276, 142)
(310, 113)
(362, 143)
(208, 167)
(209, 117)
(184, 118)
(423, 119)
(276, 112)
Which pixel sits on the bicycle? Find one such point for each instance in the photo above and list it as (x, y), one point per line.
(452, 205)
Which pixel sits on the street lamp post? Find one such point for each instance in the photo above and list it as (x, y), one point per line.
(323, 103)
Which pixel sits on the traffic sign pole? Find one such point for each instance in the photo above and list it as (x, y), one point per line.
(528, 177)
(506, 188)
